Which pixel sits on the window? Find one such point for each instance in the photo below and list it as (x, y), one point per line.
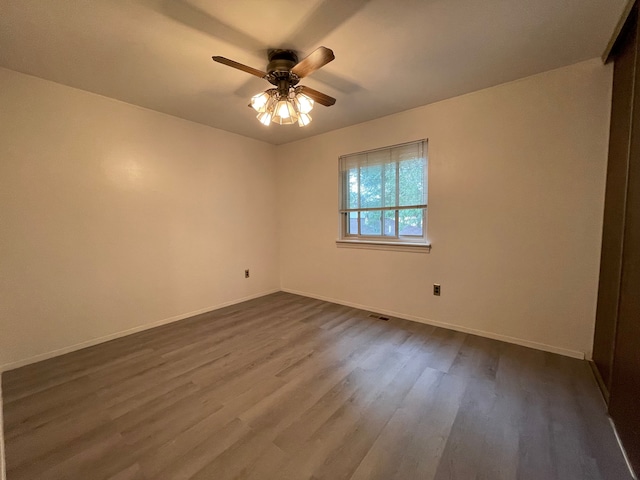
(383, 196)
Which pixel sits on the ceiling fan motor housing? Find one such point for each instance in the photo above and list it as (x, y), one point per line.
(281, 60)
(279, 69)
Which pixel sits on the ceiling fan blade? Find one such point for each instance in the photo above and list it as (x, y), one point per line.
(240, 66)
(315, 60)
(319, 97)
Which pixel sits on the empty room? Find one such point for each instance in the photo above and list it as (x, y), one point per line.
(319, 239)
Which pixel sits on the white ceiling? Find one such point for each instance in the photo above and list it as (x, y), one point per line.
(391, 55)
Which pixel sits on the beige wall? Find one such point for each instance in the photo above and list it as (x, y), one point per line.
(516, 188)
(116, 218)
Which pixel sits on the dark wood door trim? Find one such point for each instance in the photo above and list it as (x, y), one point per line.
(625, 378)
(607, 55)
(625, 70)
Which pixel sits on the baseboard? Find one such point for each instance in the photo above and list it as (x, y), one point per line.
(482, 333)
(459, 328)
(124, 333)
(601, 385)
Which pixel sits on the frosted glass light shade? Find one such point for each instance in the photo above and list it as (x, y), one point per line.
(265, 118)
(304, 119)
(283, 109)
(304, 103)
(284, 113)
(259, 102)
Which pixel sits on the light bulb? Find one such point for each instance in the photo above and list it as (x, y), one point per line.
(304, 103)
(282, 109)
(259, 102)
(304, 119)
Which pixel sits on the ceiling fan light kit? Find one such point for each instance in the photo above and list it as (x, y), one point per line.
(272, 106)
(289, 102)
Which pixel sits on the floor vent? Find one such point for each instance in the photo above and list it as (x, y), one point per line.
(379, 317)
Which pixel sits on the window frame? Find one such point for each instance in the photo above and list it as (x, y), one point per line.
(385, 242)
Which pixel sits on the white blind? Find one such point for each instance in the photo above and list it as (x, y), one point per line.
(384, 179)
(397, 153)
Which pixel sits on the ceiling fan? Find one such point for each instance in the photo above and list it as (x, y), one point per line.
(288, 102)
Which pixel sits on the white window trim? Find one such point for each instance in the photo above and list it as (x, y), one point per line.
(403, 244)
(415, 247)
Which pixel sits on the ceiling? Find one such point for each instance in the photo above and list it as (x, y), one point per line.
(391, 55)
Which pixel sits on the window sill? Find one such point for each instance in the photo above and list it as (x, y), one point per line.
(394, 246)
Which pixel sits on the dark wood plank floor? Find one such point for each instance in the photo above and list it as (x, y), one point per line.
(286, 387)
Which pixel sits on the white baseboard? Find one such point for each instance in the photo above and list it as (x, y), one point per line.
(451, 326)
(123, 333)
(495, 336)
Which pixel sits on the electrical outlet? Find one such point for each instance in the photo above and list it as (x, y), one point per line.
(436, 289)
(246, 273)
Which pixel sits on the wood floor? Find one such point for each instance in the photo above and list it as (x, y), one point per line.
(286, 387)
